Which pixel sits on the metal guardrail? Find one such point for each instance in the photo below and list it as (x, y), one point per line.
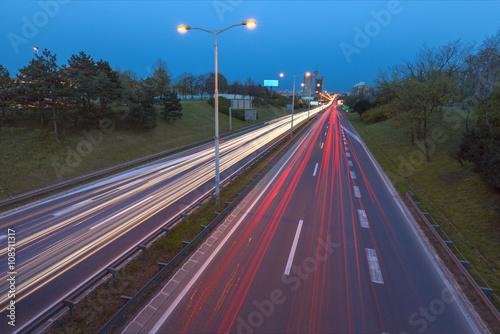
(485, 293)
(70, 300)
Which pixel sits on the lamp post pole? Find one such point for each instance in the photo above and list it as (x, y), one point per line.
(293, 98)
(182, 29)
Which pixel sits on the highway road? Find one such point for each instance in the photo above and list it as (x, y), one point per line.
(62, 241)
(324, 247)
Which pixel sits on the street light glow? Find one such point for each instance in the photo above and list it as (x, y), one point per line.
(308, 74)
(282, 75)
(250, 23)
(182, 28)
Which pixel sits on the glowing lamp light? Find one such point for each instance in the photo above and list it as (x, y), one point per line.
(308, 74)
(182, 29)
(250, 24)
(282, 74)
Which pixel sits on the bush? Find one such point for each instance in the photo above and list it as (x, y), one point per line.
(482, 147)
(374, 115)
(224, 105)
(361, 106)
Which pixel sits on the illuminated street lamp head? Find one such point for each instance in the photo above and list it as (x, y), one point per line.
(308, 74)
(182, 28)
(282, 74)
(250, 23)
(302, 84)
(35, 48)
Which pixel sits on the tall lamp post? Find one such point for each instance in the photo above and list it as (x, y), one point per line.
(183, 29)
(293, 96)
(36, 49)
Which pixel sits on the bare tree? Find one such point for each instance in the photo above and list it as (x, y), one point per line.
(426, 84)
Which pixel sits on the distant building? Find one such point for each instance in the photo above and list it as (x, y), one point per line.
(360, 89)
(319, 86)
(308, 81)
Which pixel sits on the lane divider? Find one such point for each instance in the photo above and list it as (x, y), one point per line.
(363, 220)
(375, 272)
(294, 247)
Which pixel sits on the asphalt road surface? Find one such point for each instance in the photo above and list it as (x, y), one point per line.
(324, 248)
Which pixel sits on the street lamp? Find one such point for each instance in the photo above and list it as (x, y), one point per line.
(293, 97)
(182, 29)
(36, 49)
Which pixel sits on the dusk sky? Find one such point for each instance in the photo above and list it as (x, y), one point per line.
(291, 36)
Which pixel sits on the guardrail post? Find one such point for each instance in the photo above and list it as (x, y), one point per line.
(161, 265)
(436, 227)
(426, 214)
(418, 204)
(113, 272)
(228, 203)
(185, 243)
(410, 194)
(166, 230)
(466, 264)
(143, 248)
(487, 291)
(449, 243)
(203, 227)
(71, 305)
(125, 299)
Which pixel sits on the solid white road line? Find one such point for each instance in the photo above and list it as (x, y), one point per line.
(363, 220)
(119, 213)
(357, 193)
(375, 272)
(353, 175)
(351, 134)
(315, 169)
(322, 145)
(3, 236)
(294, 247)
(71, 208)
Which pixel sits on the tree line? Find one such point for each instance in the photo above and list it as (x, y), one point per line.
(83, 93)
(454, 75)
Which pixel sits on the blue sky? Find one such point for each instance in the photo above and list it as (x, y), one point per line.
(291, 36)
